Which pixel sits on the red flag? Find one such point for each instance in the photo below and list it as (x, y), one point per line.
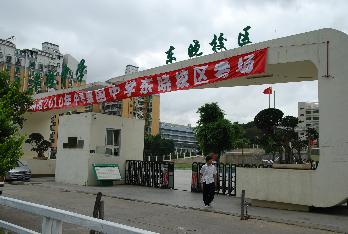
(268, 90)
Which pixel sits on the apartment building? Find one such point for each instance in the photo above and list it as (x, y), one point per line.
(182, 135)
(147, 108)
(308, 116)
(37, 70)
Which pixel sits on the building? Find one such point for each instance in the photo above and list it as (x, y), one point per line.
(146, 108)
(88, 138)
(308, 116)
(182, 135)
(38, 70)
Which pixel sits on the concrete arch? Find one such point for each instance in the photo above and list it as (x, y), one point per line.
(318, 55)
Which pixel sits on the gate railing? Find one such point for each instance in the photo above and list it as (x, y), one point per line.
(150, 173)
(53, 219)
(226, 178)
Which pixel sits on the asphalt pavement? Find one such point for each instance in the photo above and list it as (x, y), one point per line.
(176, 204)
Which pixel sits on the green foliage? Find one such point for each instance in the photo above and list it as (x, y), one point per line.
(252, 133)
(13, 105)
(40, 145)
(312, 134)
(242, 143)
(279, 134)
(289, 122)
(209, 113)
(268, 119)
(157, 146)
(214, 133)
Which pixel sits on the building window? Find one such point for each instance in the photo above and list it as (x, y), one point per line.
(308, 112)
(8, 59)
(308, 118)
(112, 144)
(315, 118)
(19, 62)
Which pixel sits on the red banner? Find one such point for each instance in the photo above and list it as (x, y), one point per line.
(186, 78)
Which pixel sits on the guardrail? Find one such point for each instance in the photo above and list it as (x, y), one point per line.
(53, 219)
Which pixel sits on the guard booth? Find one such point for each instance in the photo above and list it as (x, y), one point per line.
(90, 140)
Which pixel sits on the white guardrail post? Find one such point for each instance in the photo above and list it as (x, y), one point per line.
(53, 219)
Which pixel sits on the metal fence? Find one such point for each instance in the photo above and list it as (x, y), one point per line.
(53, 219)
(226, 178)
(150, 173)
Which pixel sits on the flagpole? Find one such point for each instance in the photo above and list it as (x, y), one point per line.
(274, 99)
(269, 100)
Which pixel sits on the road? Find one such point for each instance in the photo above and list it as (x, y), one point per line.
(160, 218)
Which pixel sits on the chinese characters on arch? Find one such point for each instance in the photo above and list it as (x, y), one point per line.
(186, 78)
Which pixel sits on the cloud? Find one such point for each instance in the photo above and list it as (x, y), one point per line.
(111, 34)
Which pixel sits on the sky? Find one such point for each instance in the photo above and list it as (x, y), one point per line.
(111, 34)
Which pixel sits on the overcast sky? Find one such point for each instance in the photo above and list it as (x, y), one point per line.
(111, 34)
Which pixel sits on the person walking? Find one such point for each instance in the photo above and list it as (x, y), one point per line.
(208, 180)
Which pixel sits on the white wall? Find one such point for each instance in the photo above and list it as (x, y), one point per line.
(278, 185)
(301, 57)
(75, 165)
(41, 167)
(35, 123)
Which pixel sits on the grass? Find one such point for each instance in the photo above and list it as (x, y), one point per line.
(183, 166)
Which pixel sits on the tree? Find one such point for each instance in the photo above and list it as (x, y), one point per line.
(312, 135)
(242, 143)
(13, 105)
(209, 113)
(289, 137)
(214, 133)
(267, 121)
(252, 133)
(157, 146)
(40, 145)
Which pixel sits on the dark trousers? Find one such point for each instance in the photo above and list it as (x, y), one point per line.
(208, 193)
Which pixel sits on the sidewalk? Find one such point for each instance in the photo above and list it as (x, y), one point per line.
(337, 222)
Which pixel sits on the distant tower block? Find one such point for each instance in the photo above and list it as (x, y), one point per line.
(130, 69)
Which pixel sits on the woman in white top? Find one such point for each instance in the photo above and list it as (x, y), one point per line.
(208, 180)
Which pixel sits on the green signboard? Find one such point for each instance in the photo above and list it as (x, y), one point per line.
(106, 173)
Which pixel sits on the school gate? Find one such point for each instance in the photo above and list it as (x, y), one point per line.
(318, 55)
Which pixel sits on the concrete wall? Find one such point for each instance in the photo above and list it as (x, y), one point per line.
(41, 167)
(75, 165)
(278, 185)
(35, 123)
